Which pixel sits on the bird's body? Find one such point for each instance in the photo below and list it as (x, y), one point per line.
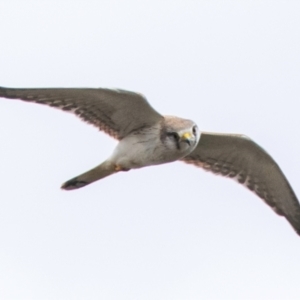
(147, 138)
(139, 150)
(146, 147)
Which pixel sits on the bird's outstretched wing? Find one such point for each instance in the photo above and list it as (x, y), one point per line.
(116, 112)
(238, 157)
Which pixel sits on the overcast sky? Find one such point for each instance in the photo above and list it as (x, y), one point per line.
(166, 232)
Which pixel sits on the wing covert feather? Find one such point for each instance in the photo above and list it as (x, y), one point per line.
(116, 112)
(238, 157)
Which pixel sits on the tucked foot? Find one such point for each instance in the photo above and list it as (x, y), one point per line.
(73, 184)
(119, 168)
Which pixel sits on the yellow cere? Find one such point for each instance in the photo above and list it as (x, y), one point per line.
(186, 135)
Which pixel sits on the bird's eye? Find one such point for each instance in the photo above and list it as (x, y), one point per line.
(195, 130)
(174, 135)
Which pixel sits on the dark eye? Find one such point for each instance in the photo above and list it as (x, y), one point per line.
(195, 130)
(174, 135)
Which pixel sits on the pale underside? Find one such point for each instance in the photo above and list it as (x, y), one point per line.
(121, 113)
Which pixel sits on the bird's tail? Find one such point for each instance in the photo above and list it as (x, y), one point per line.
(103, 170)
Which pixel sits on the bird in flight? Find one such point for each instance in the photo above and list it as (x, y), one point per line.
(148, 138)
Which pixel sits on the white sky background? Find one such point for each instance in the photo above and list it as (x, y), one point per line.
(165, 232)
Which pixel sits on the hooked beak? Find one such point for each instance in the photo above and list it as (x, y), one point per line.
(186, 137)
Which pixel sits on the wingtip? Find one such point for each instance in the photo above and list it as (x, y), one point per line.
(2, 91)
(297, 230)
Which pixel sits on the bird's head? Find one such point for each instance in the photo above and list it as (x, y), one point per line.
(180, 135)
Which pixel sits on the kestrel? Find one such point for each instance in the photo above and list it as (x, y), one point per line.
(148, 138)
